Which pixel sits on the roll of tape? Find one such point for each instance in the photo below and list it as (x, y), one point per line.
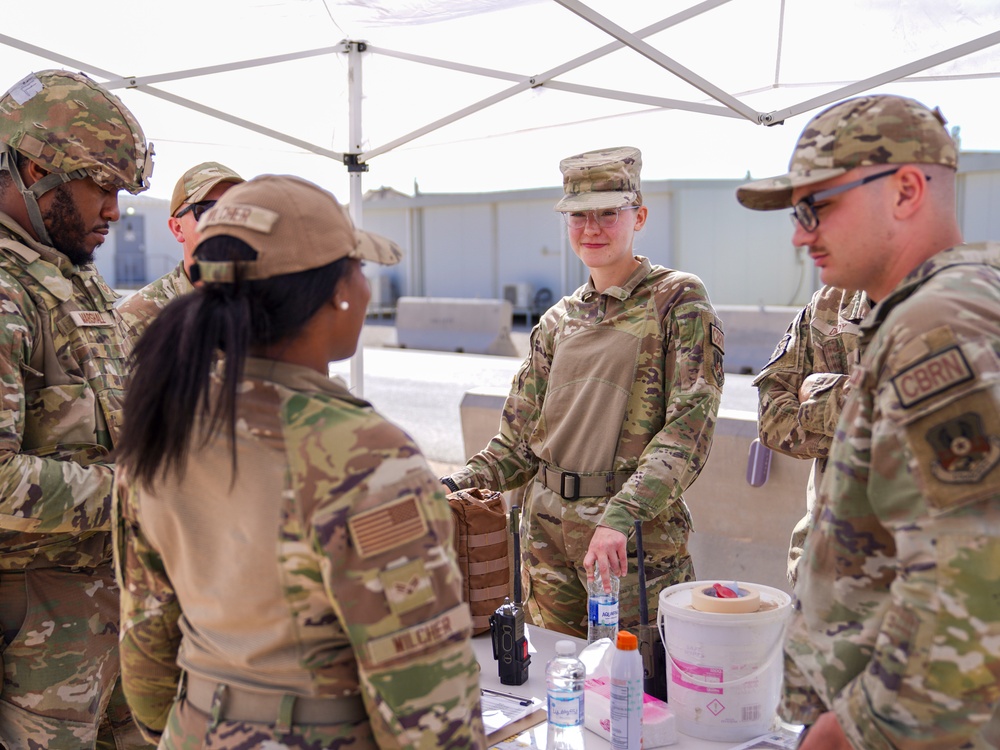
(740, 605)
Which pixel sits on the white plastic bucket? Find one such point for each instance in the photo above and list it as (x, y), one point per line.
(724, 670)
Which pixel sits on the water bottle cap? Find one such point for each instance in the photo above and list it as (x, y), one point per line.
(565, 648)
(627, 641)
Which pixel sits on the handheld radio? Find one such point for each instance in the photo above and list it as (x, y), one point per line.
(654, 658)
(510, 647)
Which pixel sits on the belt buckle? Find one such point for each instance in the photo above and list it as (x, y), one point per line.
(562, 486)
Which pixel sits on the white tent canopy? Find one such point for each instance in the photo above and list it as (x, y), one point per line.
(489, 94)
(475, 95)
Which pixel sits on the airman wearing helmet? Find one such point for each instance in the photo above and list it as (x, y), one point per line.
(67, 146)
(58, 128)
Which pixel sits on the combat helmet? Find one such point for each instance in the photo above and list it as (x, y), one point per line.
(73, 128)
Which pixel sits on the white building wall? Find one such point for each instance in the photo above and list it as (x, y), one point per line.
(492, 240)
(529, 240)
(458, 251)
(475, 245)
(981, 207)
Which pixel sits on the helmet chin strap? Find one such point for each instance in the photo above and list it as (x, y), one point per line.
(33, 193)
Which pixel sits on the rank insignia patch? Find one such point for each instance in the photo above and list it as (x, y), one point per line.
(407, 587)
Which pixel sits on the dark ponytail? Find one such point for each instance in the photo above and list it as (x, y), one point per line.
(170, 392)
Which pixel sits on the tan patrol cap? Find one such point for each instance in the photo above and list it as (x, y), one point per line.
(293, 224)
(865, 131)
(606, 178)
(198, 182)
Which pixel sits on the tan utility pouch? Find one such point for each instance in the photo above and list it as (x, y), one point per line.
(483, 545)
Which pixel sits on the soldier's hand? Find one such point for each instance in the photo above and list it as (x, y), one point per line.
(815, 382)
(825, 734)
(607, 550)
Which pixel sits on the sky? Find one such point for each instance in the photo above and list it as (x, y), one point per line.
(769, 54)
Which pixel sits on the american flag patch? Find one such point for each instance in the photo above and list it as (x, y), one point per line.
(387, 527)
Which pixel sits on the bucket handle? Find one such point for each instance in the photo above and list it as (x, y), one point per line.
(772, 653)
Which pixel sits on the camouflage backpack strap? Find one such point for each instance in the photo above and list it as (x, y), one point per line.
(482, 546)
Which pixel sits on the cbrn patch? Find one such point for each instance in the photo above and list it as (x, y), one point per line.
(931, 376)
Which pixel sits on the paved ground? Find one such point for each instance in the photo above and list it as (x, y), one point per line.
(422, 391)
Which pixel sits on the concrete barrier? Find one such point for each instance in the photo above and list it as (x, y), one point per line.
(741, 532)
(479, 326)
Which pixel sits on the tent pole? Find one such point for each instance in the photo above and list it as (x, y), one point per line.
(354, 96)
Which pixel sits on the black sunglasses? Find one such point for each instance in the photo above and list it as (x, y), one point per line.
(195, 208)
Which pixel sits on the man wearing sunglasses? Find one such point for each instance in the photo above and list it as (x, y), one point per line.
(195, 192)
(895, 637)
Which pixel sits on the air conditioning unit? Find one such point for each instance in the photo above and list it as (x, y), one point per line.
(521, 296)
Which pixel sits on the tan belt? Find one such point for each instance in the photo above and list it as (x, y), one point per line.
(572, 485)
(232, 703)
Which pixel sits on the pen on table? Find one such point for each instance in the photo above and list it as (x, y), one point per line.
(518, 698)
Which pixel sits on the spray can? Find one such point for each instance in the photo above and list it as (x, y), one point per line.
(626, 694)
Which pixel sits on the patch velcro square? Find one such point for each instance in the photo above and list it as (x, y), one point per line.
(389, 526)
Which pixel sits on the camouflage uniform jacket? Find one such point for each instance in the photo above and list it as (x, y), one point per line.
(325, 569)
(896, 626)
(821, 344)
(649, 351)
(63, 353)
(821, 341)
(139, 309)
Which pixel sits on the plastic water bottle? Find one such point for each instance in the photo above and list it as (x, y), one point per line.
(602, 609)
(626, 694)
(564, 677)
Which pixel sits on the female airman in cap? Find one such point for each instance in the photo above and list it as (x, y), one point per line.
(288, 579)
(611, 416)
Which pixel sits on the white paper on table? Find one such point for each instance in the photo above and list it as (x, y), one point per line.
(501, 709)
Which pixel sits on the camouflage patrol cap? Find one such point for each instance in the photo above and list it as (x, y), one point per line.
(606, 178)
(293, 225)
(198, 182)
(69, 125)
(865, 131)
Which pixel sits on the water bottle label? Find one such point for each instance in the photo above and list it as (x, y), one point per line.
(603, 611)
(566, 709)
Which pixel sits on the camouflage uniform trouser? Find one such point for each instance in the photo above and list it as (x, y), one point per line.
(61, 686)
(555, 535)
(191, 729)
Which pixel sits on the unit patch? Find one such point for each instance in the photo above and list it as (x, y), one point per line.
(931, 375)
(964, 452)
(387, 527)
(407, 587)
